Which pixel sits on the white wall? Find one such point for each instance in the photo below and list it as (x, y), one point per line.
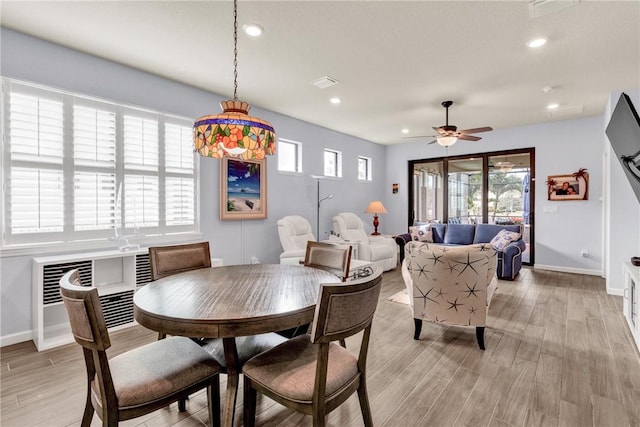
(622, 209)
(562, 147)
(34, 60)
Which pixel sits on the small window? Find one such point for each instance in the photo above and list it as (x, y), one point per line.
(364, 168)
(332, 163)
(289, 156)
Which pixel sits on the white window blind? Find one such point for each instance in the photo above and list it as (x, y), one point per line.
(179, 199)
(37, 200)
(36, 128)
(94, 136)
(94, 201)
(140, 143)
(178, 148)
(66, 155)
(141, 201)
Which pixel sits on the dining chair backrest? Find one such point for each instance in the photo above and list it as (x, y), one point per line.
(169, 260)
(333, 258)
(83, 306)
(346, 309)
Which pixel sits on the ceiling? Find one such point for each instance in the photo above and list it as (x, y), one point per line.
(395, 61)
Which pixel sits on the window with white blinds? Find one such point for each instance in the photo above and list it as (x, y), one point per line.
(75, 168)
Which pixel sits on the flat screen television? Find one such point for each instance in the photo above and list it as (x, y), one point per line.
(623, 132)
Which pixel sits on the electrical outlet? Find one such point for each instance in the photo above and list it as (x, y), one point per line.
(255, 260)
(584, 253)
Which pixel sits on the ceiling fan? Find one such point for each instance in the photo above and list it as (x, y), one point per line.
(449, 134)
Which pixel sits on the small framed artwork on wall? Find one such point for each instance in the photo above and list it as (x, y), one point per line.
(243, 192)
(573, 186)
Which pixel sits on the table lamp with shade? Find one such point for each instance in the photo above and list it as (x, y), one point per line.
(376, 207)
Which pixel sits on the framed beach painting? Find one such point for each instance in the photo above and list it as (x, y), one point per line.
(573, 186)
(243, 192)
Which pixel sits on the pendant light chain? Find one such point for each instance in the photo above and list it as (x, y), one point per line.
(235, 50)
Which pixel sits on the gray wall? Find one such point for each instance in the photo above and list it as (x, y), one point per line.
(561, 147)
(34, 60)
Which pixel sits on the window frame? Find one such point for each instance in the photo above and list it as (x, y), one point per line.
(298, 156)
(38, 242)
(368, 173)
(338, 162)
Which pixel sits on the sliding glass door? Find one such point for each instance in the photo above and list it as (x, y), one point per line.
(493, 188)
(465, 191)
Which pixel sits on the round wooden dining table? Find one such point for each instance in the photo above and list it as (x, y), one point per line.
(228, 302)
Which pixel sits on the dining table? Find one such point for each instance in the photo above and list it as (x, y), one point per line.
(228, 302)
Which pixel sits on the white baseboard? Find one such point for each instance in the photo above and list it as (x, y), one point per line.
(614, 291)
(16, 338)
(610, 291)
(568, 270)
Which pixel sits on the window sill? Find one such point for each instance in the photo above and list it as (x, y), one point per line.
(102, 244)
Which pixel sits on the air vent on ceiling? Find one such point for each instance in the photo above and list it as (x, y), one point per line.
(324, 82)
(571, 111)
(542, 7)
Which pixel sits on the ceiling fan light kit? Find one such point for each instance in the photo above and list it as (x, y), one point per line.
(447, 141)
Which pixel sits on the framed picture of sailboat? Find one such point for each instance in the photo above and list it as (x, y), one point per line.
(243, 192)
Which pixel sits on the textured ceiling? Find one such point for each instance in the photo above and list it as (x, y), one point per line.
(395, 61)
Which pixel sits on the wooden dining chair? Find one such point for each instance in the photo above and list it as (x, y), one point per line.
(169, 260)
(139, 381)
(326, 256)
(310, 373)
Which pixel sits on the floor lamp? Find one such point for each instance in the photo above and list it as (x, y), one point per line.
(318, 178)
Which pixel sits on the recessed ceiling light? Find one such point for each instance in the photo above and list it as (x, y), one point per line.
(537, 42)
(405, 131)
(552, 106)
(254, 30)
(335, 100)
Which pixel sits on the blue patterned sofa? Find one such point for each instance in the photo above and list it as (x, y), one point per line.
(509, 258)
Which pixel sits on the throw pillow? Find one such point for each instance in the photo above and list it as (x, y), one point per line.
(503, 238)
(421, 233)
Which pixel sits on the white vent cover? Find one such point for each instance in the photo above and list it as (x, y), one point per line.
(324, 82)
(542, 7)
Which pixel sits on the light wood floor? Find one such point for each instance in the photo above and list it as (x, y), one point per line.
(558, 354)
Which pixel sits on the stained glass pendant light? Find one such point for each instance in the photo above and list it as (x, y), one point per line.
(234, 133)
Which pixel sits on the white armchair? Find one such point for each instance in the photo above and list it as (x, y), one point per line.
(380, 250)
(295, 232)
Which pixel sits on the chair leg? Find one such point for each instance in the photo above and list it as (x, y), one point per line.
(418, 326)
(343, 343)
(250, 396)
(364, 403)
(161, 336)
(88, 410)
(480, 336)
(182, 404)
(213, 400)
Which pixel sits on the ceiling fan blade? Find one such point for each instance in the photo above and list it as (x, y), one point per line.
(432, 142)
(476, 130)
(469, 137)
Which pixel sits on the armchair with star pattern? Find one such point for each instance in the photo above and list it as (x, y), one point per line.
(450, 284)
